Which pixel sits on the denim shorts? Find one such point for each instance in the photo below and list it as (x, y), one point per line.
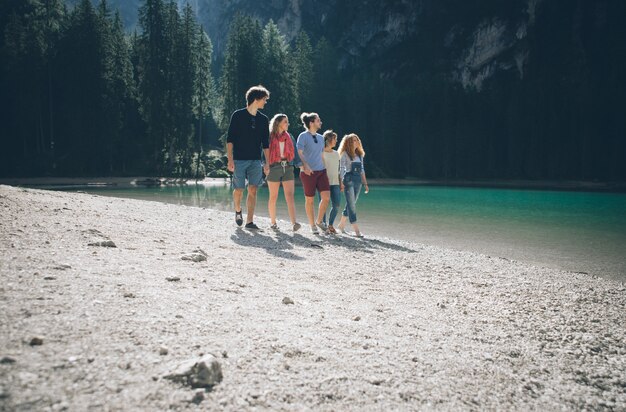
(250, 170)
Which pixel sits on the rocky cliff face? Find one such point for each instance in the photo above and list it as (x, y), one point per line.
(475, 44)
(471, 43)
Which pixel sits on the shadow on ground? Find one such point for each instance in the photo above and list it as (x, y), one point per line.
(284, 244)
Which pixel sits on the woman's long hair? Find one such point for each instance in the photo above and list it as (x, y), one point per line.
(351, 144)
(274, 124)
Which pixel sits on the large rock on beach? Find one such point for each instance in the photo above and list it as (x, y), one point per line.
(197, 255)
(205, 372)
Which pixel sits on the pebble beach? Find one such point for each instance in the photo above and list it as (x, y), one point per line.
(102, 300)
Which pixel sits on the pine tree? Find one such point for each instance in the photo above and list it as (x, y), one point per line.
(303, 62)
(19, 75)
(29, 33)
(242, 64)
(203, 87)
(327, 97)
(153, 52)
(183, 74)
(173, 110)
(53, 16)
(119, 104)
(81, 87)
(278, 71)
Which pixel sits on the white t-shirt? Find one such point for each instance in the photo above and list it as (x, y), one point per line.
(331, 160)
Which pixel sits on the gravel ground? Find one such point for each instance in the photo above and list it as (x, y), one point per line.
(375, 323)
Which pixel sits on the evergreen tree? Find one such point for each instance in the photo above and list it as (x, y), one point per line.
(173, 105)
(111, 96)
(153, 75)
(303, 62)
(204, 92)
(327, 97)
(29, 33)
(278, 71)
(80, 68)
(242, 64)
(120, 90)
(53, 14)
(19, 73)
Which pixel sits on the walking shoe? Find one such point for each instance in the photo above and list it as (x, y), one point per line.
(238, 218)
(322, 226)
(314, 230)
(296, 226)
(274, 226)
(252, 226)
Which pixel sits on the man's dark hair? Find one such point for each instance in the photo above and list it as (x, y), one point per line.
(307, 118)
(256, 93)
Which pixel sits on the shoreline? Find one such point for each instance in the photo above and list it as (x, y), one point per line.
(139, 181)
(569, 256)
(375, 323)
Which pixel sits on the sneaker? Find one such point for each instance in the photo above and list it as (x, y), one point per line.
(358, 235)
(274, 226)
(296, 226)
(239, 218)
(314, 230)
(322, 226)
(251, 226)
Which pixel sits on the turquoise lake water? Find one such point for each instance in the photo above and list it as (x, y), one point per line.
(575, 231)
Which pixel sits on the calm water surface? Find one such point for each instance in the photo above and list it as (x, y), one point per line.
(576, 231)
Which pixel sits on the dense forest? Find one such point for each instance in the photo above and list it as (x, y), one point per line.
(82, 96)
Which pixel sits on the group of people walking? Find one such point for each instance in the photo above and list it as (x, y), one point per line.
(322, 169)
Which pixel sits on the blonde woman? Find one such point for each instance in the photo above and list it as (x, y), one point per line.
(353, 177)
(282, 156)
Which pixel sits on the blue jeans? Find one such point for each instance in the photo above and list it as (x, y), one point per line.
(335, 202)
(352, 188)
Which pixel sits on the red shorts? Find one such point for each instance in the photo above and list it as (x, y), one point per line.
(316, 180)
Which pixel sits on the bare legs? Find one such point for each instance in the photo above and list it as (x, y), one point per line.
(325, 195)
(342, 225)
(288, 189)
(250, 201)
(271, 204)
(309, 205)
(237, 195)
